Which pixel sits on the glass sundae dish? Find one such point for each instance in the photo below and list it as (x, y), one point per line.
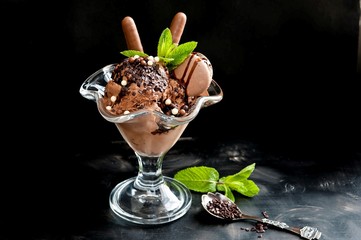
(151, 104)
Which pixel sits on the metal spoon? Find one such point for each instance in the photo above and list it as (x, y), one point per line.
(220, 206)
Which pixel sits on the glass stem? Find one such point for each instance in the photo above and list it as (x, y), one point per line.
(150, 175)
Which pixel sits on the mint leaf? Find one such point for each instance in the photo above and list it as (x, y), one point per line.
(241, 175)
(199, 179)
(240, 183)
(171, 54)
(166, 60)
(165, 43)
(180, 53)
(132, 53)
(247, 171)
(245, 187)
(206, 179)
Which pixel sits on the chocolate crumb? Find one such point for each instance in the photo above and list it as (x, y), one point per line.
(259, 227)
(224, 209)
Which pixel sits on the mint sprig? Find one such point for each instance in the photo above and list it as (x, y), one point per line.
(171, 54)
(206, 179)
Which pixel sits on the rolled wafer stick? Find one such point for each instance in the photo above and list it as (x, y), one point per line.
(177, 26)
(131, 34)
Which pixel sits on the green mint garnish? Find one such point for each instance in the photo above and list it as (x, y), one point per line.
(165, 43)
(167, 50)
(132, 53)
(206, 179)
(171, 54)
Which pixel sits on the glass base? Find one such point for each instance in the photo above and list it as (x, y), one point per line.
(168, 202)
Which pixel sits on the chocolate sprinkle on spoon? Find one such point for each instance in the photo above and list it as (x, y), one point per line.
(218, 205)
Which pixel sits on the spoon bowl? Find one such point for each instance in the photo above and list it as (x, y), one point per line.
(220, 206)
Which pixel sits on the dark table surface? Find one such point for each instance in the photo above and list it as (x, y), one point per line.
(300, 189)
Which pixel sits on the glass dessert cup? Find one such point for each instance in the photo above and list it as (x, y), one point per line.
(149, 197)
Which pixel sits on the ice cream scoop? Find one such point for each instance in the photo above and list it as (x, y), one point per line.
(196, 72)
(139, 83)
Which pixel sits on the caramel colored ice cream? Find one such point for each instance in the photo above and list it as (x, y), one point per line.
(196, 72)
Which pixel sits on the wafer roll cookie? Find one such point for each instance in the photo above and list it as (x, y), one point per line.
(131, 34)
(177, 26)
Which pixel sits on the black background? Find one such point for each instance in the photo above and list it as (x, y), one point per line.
(288, 70)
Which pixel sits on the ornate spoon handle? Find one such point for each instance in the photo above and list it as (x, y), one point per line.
(305, 232)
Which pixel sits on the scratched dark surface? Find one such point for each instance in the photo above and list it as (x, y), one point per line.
(324, 193)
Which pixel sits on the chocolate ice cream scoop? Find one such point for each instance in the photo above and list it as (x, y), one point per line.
(196, 72)
(144, 83)
(137, 83)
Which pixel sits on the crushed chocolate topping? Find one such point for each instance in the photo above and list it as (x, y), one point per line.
(151, 77)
